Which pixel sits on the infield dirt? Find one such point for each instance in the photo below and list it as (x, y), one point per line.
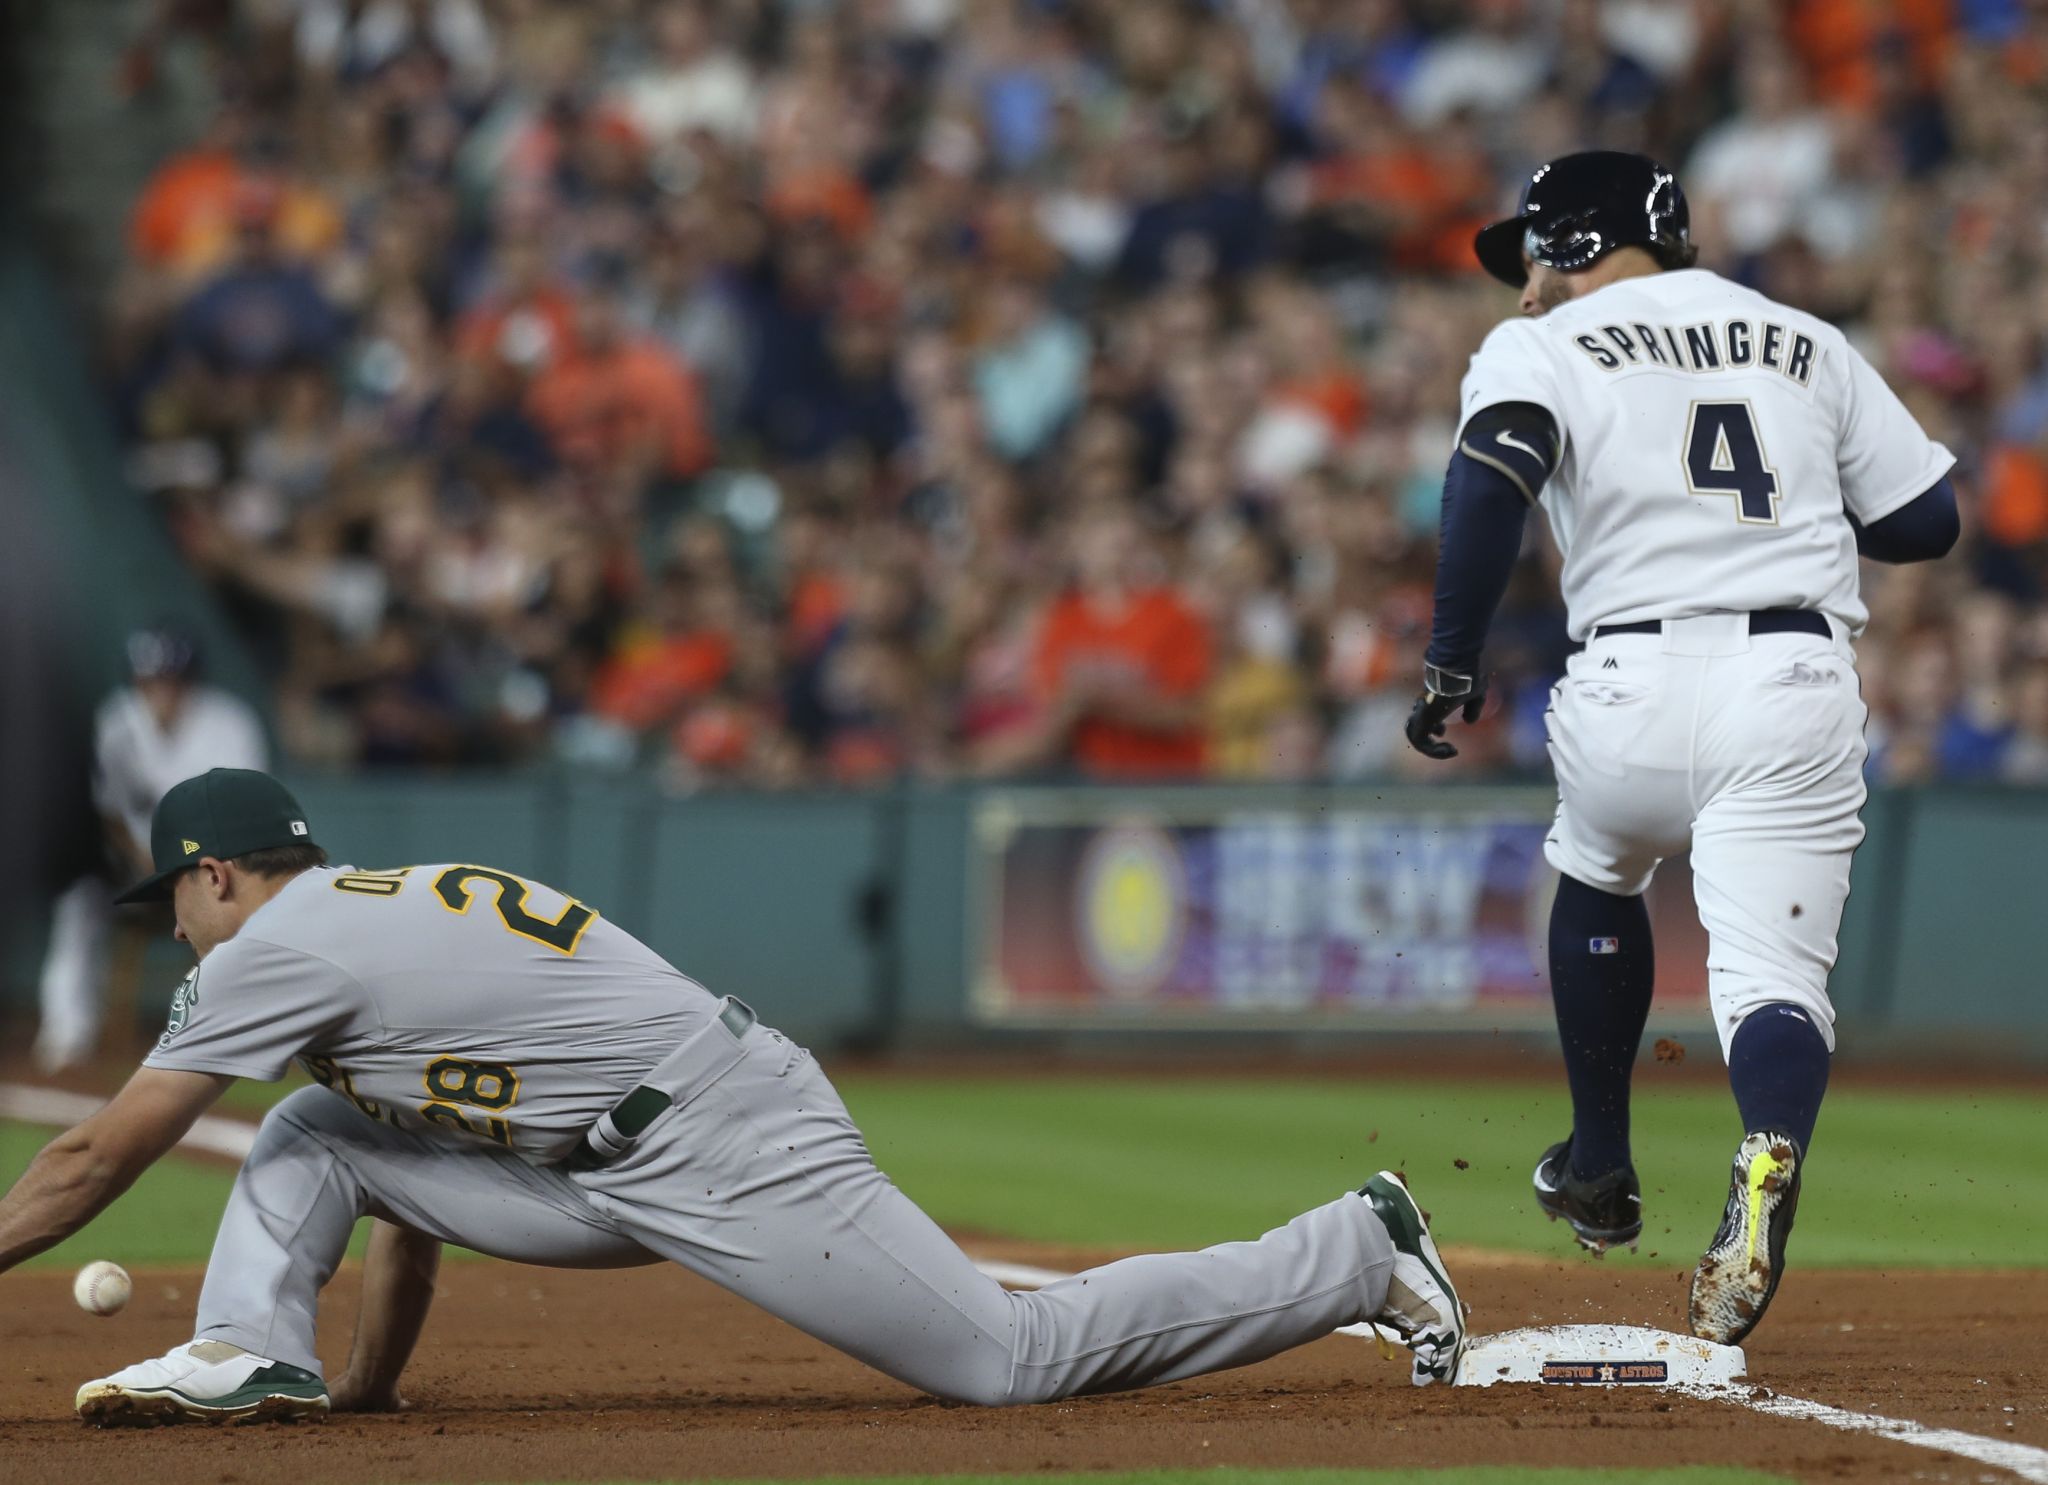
(531, 1374)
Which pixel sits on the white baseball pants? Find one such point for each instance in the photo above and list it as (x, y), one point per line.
(1749, 749)
(761, 1183)
(73, 988)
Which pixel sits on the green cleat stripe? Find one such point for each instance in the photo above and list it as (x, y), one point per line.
(250, 1394)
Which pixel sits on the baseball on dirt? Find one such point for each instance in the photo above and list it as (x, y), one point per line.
(102, 1288)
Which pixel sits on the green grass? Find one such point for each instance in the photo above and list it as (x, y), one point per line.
(168, 1216)
(1935, 1178)
(1919, 1178)
(1505, 1474)
(245, 1100)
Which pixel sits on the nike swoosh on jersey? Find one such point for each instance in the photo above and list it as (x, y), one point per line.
(1515, 443)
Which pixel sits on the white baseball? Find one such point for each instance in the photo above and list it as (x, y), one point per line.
(102, 1288)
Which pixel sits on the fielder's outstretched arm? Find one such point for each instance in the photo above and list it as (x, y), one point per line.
(82, 1170)
(398, 1287)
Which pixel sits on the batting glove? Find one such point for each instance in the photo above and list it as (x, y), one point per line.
(1444, 692)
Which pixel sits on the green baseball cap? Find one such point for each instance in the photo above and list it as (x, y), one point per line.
(223, 813)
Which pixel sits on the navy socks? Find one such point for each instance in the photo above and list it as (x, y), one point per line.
(1778, 1067)
(1602, 971)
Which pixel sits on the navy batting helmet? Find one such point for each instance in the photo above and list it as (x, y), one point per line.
(1579, 208)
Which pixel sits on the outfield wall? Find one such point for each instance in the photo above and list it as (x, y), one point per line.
(893, 917)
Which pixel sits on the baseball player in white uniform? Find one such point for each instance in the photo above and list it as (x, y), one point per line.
(1711, 463)
(166, 726)
(501, 1067)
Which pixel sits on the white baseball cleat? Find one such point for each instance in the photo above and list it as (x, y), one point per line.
(1422, 1305)
(203, 1381)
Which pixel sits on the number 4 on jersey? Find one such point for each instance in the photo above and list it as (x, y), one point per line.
(1724, 455)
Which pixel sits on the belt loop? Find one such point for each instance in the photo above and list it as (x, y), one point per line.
(1707, 636)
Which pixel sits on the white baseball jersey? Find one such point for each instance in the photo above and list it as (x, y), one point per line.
(1711, 440)
(136, 762)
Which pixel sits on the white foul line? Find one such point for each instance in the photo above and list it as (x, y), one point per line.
(209, 1132)
(233, 1137)
(2024, 1460)
(1018, 1275)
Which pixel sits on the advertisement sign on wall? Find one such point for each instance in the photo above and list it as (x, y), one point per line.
(1413, 907)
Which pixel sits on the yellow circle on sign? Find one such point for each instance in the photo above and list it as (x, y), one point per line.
(1132, 904)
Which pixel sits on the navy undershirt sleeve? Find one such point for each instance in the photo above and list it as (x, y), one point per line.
(1482, 537)
(1503, 457)
(1922, 529)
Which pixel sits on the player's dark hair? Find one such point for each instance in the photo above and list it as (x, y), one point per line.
(1674, 255)
(280, 861)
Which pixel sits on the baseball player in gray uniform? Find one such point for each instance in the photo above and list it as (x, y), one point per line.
(501, 1067)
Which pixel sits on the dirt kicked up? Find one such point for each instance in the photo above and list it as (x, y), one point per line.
(531, 1374)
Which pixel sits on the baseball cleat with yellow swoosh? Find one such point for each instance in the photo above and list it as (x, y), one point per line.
(1733, 1285)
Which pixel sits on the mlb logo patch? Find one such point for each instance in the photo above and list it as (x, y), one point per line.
(298, 827)
(1603, 946)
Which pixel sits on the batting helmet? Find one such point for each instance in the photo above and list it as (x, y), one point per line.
(1578, 208)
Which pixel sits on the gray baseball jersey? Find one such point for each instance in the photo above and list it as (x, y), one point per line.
(447, 998)
(469, 1025)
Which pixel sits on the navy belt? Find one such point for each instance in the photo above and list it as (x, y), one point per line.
(1761, 621)
(614, 1132)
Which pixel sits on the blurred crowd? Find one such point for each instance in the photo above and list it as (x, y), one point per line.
(822, 391)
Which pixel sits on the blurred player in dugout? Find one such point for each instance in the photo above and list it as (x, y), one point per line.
(165, 725)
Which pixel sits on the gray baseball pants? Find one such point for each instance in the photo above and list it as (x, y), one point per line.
(758, 1181)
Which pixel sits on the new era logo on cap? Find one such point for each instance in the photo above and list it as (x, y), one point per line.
(191, 847)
